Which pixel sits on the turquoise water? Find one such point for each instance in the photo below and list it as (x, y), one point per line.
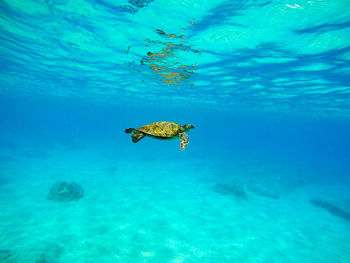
(265, 177)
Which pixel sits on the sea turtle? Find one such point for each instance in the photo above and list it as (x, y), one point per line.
(163, 130)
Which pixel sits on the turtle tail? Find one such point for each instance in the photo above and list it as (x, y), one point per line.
(129, 130)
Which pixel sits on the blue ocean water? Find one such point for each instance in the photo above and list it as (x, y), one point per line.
(266, 174)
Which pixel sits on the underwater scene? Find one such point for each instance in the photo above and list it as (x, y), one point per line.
(164, 131)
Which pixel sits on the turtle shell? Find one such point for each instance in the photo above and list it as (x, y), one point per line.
(164, 129)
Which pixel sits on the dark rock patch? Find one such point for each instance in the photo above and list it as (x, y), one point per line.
(274, 186)
(332, 209)
(234, 189)
(42, 252)
(5, 256)
(264, 193)
(64, 191)
(50, 253)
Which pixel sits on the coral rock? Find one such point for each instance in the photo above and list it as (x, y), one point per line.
(64, 191)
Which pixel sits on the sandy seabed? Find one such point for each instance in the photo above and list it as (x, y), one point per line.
(163, 210)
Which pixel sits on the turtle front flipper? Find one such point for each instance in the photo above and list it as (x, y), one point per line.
(183, 140)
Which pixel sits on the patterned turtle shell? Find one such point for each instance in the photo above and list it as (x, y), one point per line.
(164, 129)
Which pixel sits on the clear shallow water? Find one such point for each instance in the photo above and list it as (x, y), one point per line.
(266, 175)
(273, 55)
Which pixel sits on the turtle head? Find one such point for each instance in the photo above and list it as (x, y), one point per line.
(187, 127)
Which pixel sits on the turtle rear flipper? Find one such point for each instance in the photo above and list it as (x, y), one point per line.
(137, 135)
(183, 140)
(129, 130)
